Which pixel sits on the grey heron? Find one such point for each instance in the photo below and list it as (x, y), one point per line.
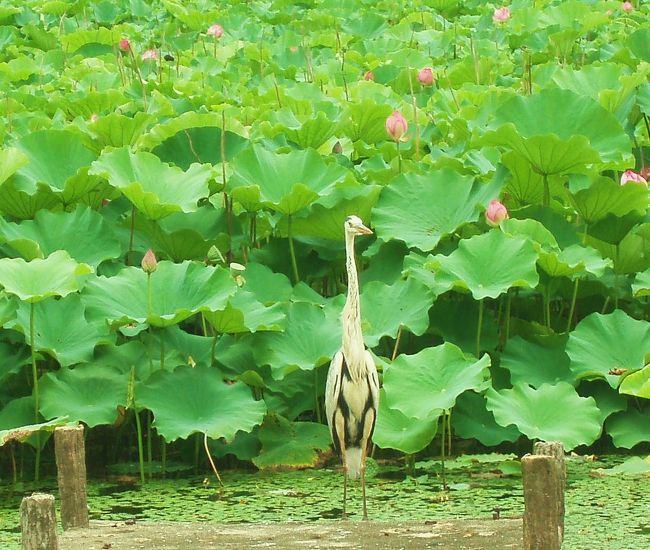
(352, 390)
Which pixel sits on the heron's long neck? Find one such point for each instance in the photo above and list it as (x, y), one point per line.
(353, 347)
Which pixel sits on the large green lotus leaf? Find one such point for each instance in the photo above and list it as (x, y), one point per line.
(488, 265)
(83, 233)
(527, 185)
(607, 399)
(19, 413)
(366, 121)
(11, 160)
(601, 343)
(8, 308)
(536, 127)
(471, 419)
(56, 275)
(421, 209)
(311, 339)
(177, 292)
(118, 130)
(45, 149)
(62, 329)
(197, 400)
(267, 286)
(432, 379)
(156, 189)
(396, 431)
(549, 413)
(285, 183)
(537, 363)
(573, 260)
(245, 314)
(638, 42)
(605, 197)
(641, 284)
(85, 394)
(533, 230)
(637, 383)
(291, 444)
(305, 131)
(385, 308)
(630, 428)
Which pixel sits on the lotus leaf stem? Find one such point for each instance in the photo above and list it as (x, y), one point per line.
(292, 252)
(32, 344)
(138, 428)
(479, 327)
(573, 304)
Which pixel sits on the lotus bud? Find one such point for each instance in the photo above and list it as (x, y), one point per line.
(396, 126)
(94, 117)
(628, 7)
(632, 176)
(369, 76)
(215, 30)
(426, 76)
(501, 15)
(149, 263)
(124, 44)
(495, 213)
(149, 55)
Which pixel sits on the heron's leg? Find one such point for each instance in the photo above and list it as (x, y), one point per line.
(345, 491)
(363, 490)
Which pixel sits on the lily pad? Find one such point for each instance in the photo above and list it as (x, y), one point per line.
(56, 275)
(488, 265)
(602, 343)
(544, 413)
(393, 430)
(155, 189)
(197, 400)
(432, 379)
(288, 444)
(421, 209)
(84, 394)
(123, 298)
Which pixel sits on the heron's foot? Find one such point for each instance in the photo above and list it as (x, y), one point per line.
(344, 516)
(365, 517)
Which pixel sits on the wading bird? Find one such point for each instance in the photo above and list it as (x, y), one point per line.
(352, 390)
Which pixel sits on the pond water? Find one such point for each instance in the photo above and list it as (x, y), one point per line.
(603, 512)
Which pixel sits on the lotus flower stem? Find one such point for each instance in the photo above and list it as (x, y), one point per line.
(207, 451)
(442, 450)
(292, 252)
(547, 192)
(573, 304)
(415, 118)
(32, 345)
(449, 432)
(138, 428)
(397, 340)
(479, 328)
(399, 158)
(226, 199)
(129, 254)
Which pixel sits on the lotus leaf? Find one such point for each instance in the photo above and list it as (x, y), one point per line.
(537, 363)
(84, 394)
(608, 401)
(471, 419)
(117, 130)
(630, 428)
(285, 183)
(432, 379)
(544, 413)
(605, 197)
(311, 339)
(573, 260)
(488, 265)
(197, 400)
(602, 343)
(11, 160)
(641, 285)
(366, 121)
(155, 189)
(637, 383)
(83, 233)
(62, 329)
(56, 275)
(536, 127)
(123, 298)
(386, 308)
(245, 314)
(396, 431)
(267, 286)
(421, 209)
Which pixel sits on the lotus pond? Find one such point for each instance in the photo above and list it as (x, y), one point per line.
(603, 506)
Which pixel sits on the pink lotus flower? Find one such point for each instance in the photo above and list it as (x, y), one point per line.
(215, 30)
(426, 76)
(632, 176)
(501, 15)
(149, 55)
(396, 126)
(124, 44)
(628, 7)
(149, 263)
(495, 213)
(94, 117)
(369, 76)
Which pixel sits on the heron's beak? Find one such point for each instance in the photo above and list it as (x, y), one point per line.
(364, 230)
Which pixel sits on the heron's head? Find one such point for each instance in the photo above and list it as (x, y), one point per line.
(354, 226)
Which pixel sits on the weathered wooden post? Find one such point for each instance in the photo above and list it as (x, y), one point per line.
(70, 455)
(544, 479)
(38, 522)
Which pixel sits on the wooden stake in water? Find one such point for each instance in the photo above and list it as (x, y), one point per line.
(70, 453)
(38, 522)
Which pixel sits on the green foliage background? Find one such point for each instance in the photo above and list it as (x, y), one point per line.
(252, 149)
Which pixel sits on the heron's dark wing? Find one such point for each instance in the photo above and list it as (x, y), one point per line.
(332, 390)
(373, 379)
